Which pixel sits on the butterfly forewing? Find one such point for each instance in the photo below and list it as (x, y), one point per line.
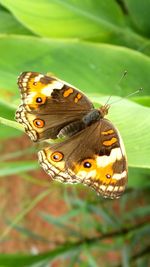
(48, 104)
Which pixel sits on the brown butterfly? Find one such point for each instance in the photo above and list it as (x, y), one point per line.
(90, 150)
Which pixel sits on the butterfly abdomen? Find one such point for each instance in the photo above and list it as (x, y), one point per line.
(71, 129)
(77, 126)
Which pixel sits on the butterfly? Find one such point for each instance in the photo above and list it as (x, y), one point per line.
(90, 149)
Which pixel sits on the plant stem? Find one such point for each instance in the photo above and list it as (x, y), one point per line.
(13, 124)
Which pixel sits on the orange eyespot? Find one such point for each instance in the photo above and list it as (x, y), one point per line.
(108, 176)
(40, 99)
(39, 123)
(57, 156)
(87, 164)
(34, 83)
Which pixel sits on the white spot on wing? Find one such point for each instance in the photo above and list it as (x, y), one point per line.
(85, 175)
(103, 187)
(110, 188)
(47, 90)
(37, 78)
(119, 176)
(119, 188)
(103, 161)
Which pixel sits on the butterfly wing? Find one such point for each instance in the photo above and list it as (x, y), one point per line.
(95, 157)
(48, 104)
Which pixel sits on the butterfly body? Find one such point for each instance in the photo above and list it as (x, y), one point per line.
(91, 150)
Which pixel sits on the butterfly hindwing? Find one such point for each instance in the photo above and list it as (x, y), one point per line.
(95, 157)
(48, 104)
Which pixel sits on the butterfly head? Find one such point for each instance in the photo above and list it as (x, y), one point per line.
(104, 110)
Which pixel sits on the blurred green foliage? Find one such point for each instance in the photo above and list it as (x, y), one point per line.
(89, 44)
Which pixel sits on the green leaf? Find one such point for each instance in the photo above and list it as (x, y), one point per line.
(138, 236)
(8, 110)
(125, 256)
(139, 14)
(19, 153)
(63, 218)
(139, 178)
(137, 213)
(91, 260)
(145, 100)
(7, 132)
(5, 124)
(11, 123)
(74, 260)
(9, 25)
(94, 68)
(26, 232)
(53, 220)
(17, 167)
(105, 215)
(9, 260)
(67, 18)
(101, 21)
(57, 221)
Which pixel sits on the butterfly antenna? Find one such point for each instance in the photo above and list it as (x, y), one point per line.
(127, 96)
(108, 100)
(123, 75)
